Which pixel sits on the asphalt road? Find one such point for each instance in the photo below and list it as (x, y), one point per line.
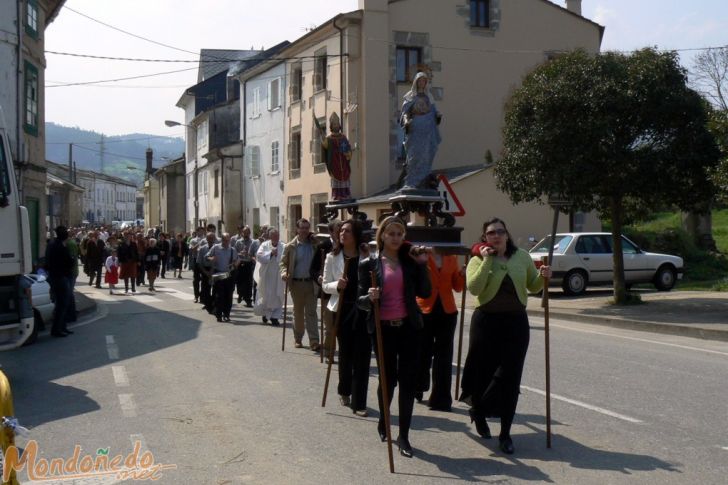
(226, 406)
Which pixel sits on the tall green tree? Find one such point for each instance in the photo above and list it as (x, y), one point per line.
(609, 132)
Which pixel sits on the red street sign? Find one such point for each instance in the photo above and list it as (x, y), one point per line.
(452, 204)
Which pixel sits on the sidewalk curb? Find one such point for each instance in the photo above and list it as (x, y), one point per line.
(656, 327)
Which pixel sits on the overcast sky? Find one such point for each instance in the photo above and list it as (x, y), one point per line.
(142, 105)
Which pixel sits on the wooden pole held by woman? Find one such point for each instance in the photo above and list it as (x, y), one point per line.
(334, 331)
(382, 375)
(285, 313)
(323, 307)
(462, 327)
(546, 260)
(545, 306)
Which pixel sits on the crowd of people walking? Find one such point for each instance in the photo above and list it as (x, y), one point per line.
(406, 291)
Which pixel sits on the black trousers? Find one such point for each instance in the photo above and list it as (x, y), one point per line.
(141, 270)
(355, 355)
(244, 281)
(196, 279)
(62, 296)
(494, 365)
(223, 290)
(165, 260)
(95, 273)
(436, 353)
(206, 292)
(401, 358)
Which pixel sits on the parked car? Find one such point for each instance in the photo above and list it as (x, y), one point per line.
(42, 304)
(584, 259)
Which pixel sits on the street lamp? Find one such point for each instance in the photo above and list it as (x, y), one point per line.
(170, 124)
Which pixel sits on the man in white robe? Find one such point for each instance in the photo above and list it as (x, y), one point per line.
(271, 288)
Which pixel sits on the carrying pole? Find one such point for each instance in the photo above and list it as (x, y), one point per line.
(382, 375)
(334, 331)
(547, 344)
(462, 327)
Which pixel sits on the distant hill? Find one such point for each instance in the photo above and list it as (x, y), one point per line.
(118, 152)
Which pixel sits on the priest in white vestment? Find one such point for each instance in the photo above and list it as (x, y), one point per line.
(271, 288)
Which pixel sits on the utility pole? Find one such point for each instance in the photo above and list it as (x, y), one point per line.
(102, 152)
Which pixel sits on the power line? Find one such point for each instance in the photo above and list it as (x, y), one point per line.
(127, 157)
(119, 79)
(65, 6)
(217, 60)
(111, 141)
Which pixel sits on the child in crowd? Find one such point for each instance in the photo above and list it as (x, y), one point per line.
(112, 271)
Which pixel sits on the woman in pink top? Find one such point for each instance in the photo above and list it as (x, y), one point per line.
(401, 275)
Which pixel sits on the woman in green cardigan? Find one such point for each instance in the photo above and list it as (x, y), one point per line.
(500, 275)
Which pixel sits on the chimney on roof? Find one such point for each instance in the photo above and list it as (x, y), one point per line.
(150, 155)
(574, 6)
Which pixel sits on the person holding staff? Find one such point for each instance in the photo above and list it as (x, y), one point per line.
(401, 275)
(355, 348)
(440, 314)
(500, 278)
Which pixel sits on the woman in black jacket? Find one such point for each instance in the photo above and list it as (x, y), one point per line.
(401, 274)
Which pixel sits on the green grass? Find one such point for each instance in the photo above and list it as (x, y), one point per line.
(703, 270)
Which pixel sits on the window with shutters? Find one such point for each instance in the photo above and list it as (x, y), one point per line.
(255, 112)
(319, 164)
(274, 149)
(274, 94)
(31, 99)
(274, 218)
(319, 70)
(255, 161)
(479, 13)
(31, 18)
(296, 87)
(408, 59)
(294, 154)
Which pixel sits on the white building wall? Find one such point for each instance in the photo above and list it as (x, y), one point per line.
(264, 122)
(9, 68)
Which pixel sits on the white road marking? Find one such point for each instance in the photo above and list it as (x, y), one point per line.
(686, 347)
(584, 405)
(111, 348)
(176, 293)
(145, 299)
(120, 377)
(725, 447)
(128, 406)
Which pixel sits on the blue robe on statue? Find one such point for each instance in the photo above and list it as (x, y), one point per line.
(422, 136)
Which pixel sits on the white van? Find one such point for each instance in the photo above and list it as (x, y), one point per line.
(16, 325)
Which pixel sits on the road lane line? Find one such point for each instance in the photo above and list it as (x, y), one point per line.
(686, 347)
(111, 348)
(175, 293)
(584, 405)
(128, 406)
(120, 377)
(725, 447)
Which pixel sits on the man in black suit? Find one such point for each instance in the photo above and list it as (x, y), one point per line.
(59, 264)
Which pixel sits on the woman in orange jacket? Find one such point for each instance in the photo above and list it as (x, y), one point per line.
(440, 318)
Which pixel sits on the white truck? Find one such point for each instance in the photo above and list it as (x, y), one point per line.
(15, 255)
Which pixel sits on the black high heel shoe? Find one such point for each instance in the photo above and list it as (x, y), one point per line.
(506, 445)
(405, 448)
(481, 425)
(381, 431)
